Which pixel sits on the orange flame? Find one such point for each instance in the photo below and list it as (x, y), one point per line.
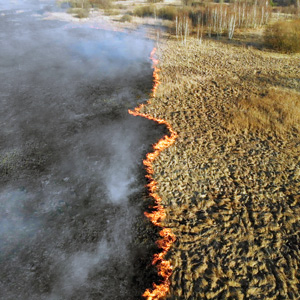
(158, 213)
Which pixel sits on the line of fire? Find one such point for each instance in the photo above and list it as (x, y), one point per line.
(163, 266)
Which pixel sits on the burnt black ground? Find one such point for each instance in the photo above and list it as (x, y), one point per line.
(72, 190)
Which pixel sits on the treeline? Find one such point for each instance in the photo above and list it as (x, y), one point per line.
(213, 19)
(272, 2)
(223, 19)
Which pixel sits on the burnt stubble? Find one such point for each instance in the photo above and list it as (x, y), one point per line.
(72, 193)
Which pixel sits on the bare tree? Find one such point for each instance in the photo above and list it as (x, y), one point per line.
(231, 26)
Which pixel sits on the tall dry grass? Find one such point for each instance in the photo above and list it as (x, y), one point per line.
(284, 36)
(277, 112)
(166, 12)
(87, 4)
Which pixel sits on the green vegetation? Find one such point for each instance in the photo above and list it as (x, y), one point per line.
(284, 36)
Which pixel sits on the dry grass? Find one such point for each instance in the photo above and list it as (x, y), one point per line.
(276, 112)
(79, 12)
(154, 1)
(284, 36)
(111, 12)
(126, 18)
(231, 196)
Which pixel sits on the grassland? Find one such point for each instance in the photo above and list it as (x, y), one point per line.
(230, 184)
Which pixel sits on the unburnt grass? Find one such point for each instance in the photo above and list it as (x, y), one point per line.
(230, 184)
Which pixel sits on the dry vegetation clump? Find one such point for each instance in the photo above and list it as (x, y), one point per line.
(87, 4)
(126, 18)
(276, 112)
(230, 183)
(79, 12)
(111, 12)
(104, 4)
(144, 11)
(284, 36)
(165, 12)
(81, 8)
(155, 1)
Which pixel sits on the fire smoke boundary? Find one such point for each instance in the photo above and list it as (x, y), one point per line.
(163, 266)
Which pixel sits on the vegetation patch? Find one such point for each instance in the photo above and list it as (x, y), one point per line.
(167, 12)
(144, 11)
(126, 18)
(86, 5)
(111, 12)
(284, 36)
(155, 1)
(277, 112)
(79, 12)
(104, 4)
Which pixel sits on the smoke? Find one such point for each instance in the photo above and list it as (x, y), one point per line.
(16, 222)
(120, 171)
(70, 155)
(78, 267)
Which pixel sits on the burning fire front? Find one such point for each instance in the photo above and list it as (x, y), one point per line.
(158, 214)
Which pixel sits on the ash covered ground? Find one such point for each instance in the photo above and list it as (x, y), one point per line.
(71, 158)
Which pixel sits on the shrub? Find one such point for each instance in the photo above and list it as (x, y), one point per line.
(119, 6)
(195, 14)
(83, 4)
(79, 12)
(144, 11)
(187, 2)
(111, 12)
(82, 13)
(283, 36)
(126, 18)
(167, 12)
(197, 4)
(104, 4)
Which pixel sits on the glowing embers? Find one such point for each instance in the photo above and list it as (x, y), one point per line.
(158, 213)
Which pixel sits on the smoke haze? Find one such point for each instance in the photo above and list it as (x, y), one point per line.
(70, 156)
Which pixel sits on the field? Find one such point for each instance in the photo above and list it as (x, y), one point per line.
(230, 183)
